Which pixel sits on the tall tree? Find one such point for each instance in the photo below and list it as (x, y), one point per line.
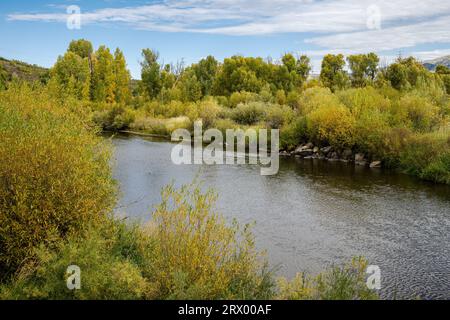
(191, 88)
(103, 78)
(363, 68)
(81, 47)
(206, 71)
(84, 49)
(72, 76)
(405, 72)
(303, 67)
(122, 78)
(151, 73)
(332, 74)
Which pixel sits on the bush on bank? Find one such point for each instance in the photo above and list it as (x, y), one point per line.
(54, 177)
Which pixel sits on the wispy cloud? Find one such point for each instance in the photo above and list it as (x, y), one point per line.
(339, 25)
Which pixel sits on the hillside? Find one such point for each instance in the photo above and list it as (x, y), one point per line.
(11, 69)
(432, 64)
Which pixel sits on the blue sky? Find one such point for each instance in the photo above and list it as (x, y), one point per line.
(37, 32)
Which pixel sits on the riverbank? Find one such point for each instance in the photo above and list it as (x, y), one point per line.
(426, 157)
(309, 151)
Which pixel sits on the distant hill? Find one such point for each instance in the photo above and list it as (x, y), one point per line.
(14, 69)
(432, 64)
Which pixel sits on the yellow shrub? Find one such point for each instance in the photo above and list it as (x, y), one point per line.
(370, 129)
(333, 124)
(418, 112)
(160, 126)
(316, 97)
(242, 97)
(198, 254)
(364, 99)
(54, 177)
(206, 110)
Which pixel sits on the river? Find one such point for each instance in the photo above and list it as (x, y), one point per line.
(312, 214)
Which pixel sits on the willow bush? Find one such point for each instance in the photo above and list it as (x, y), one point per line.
(198, 255)
(54, 177)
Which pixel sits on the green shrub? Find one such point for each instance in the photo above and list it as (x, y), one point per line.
(291, 135)
(113, 117)
(250, 113)
(224, 124)
(242, 97)
(206, 110)
(418, 112)
(110, 258)
(438, 170)
(293, 100)
(371, 128)
(427, 156)
(280, 97)
(158, 126)
(277, 116)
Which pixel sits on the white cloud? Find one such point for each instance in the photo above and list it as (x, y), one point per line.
(436, 31)
(339, 25)
(431, 55)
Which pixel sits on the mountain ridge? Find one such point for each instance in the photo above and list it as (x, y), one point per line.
(432, 64)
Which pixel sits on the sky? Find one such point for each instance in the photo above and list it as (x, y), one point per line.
(39, 31)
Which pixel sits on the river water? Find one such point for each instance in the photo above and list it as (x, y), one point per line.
(312, 214)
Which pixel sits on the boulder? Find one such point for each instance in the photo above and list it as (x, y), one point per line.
(326, 150)
(305, 153)
(359, 157)
(375, 164)
(316, 149)
(309, 145)
(347, 154)
(333, 156)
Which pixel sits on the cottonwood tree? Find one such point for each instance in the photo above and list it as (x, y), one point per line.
(363, 68)
(122, 78)
(71, 76)
(103, 77)
(191, 88)
(151, 73)
(332, 74)
(404, 73)
(206, 71)
(81, 47)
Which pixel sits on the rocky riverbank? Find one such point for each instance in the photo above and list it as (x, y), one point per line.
(329, 153)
